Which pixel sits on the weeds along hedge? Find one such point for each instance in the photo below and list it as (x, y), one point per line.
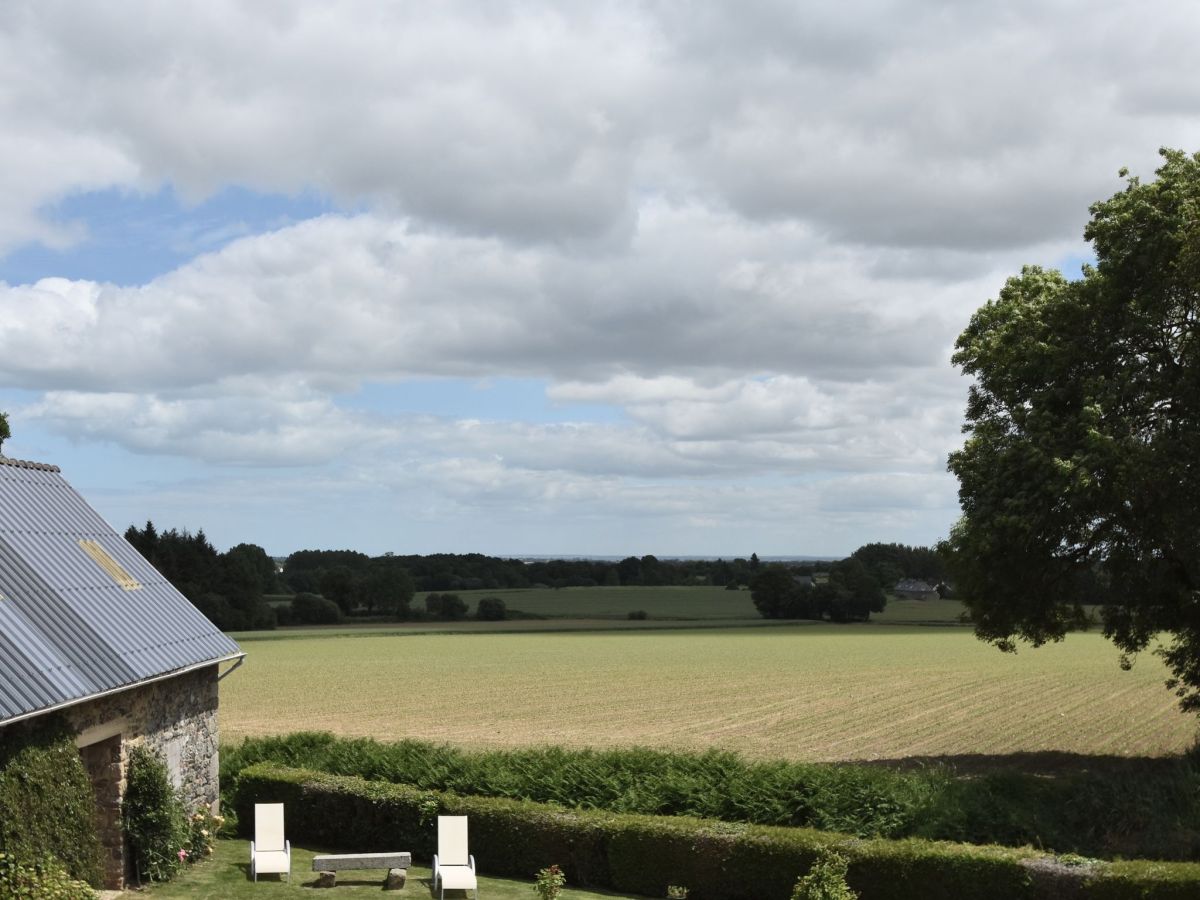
(42, 879)
(1155, 814)
(643, 854)
(46, 800)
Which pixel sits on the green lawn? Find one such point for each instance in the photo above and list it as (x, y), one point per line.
(227, 877)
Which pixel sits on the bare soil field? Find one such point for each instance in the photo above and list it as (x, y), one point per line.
(811, 692)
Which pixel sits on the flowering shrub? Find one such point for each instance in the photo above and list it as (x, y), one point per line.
(676, 892)
(203, 827)
(550, 882)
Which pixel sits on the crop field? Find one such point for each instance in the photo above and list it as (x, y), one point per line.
(811, 692)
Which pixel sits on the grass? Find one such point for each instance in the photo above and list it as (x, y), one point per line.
(804, 692)
(670, 603)
(602, 609)
(700, 602)
(226, 877)
(510, 626)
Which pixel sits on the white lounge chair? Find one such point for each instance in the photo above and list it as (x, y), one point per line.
(452, 867)
(269, 852)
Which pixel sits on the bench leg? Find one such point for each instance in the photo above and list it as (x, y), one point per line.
(395, 879)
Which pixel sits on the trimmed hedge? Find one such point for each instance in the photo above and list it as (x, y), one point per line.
(46, 800)
(1138, 809)
(643, 854)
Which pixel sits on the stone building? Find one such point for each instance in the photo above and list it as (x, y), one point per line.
(915, 589)
(89, 629)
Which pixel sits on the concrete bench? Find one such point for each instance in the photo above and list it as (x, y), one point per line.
(329, 865)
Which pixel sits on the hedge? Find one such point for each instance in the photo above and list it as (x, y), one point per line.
(642, 854)
(46, 800)
(1128, 808)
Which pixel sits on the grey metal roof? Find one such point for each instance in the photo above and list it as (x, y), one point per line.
(68, 629)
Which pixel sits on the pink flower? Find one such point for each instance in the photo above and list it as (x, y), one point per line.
(182, 854)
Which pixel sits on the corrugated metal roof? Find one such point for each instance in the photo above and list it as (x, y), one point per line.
(70, 627)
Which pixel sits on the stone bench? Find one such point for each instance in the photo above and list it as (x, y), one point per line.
(329, 865)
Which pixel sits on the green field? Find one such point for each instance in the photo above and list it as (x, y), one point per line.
(618, 602)
(680, 603)
(813, 692)
(607, 608)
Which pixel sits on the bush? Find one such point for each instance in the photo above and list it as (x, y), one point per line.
(46, 800)
(826, 880)
(638, 615)
(645, 854)
(491, 609)
(449, 607)
(153, 818)
(1151, 810)
(313, 609)
(202, 829)
(43, 879)
(549, 882)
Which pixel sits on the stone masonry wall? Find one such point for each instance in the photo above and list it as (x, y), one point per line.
(176, 717)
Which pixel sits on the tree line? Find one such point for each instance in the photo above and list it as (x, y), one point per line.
(232, 588)
(847, 590)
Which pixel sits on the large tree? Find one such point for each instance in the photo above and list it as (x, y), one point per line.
(1080, 475)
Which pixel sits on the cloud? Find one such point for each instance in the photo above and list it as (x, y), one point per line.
(928, 125)
(366, 297)
(754, 231)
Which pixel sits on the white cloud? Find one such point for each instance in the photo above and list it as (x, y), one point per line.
(913, 124)
(368, 297)
(754, 230)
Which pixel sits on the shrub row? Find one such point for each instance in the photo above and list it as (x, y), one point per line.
(46, 800)
(42, 879)
(643, 854)
(1155, 812)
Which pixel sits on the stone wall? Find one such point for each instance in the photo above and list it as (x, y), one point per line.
(103, 763)
(177, 717)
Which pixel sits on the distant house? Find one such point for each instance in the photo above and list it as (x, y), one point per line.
(90, 629)
(915, 589)
(803, 581)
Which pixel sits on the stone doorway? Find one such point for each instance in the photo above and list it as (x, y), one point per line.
(103, 763)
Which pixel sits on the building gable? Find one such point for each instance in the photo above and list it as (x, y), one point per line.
(82, 612)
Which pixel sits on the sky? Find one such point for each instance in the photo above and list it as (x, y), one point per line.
(541, 278)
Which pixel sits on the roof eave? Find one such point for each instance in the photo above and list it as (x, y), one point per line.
(125, 687)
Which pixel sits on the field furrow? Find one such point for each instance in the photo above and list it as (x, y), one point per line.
(815, 692)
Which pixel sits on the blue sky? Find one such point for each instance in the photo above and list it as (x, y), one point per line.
(526, 280)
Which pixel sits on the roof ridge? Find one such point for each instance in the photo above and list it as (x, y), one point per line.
(28, 464)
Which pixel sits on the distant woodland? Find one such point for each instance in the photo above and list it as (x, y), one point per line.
(240, 589)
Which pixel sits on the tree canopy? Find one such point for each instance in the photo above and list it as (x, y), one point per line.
(1080, 474)
(5, 434)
